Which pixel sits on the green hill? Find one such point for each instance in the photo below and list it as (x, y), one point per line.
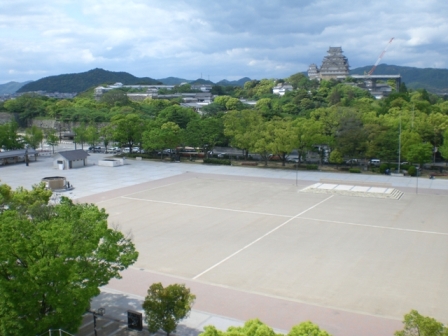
(239, 82)
(11, 87)
(431, 79)
(82, 81)
(173, 81)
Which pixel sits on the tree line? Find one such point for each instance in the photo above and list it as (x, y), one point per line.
(343, 117)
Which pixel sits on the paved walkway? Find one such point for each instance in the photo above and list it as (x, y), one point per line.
(94, 179)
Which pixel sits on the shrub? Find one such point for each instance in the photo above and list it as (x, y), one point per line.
(406, 166)
(217, 161)
(412, 171)
(383, 167)
(355, 170)
(311, 167)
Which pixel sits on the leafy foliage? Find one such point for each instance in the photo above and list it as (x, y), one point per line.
(418, 325)
(257, 328)
(54, 259)
(165, 307)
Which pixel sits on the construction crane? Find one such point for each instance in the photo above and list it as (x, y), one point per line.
(379, 58)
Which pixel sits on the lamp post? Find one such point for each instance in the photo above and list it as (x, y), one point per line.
(101, 311)
(26, 155)
(399, 146)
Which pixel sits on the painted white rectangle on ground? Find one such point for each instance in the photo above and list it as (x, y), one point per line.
(359, 188)
(327, 186)
(377, 190)
(344, 187)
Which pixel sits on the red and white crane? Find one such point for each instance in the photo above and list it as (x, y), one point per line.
(379, 58)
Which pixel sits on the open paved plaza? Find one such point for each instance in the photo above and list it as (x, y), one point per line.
(254, 242)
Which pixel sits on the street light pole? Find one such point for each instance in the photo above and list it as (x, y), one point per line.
(399, 146)
(101, 311)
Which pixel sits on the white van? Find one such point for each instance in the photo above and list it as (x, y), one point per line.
(375, 162)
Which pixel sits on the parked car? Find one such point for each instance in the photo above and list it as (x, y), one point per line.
(293, 158)
(352, 161)
(375, 162)
(95, 149)
(167, 151)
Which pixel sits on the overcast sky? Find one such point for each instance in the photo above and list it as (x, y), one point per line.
(220, 39)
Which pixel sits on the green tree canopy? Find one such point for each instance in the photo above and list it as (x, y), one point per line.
(177, 114)
(54, 259)
(128, 129)
(257, 328)
(419, 325)
(8, 136)
(165, 307)
(33, 136)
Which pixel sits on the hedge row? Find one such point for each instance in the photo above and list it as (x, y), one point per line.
(217, 161)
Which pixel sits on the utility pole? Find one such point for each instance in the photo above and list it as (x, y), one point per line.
(399, 146)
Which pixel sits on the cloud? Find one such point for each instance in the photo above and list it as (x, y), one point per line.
(224, 39)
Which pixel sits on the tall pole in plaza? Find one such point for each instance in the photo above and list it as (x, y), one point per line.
(399, 146)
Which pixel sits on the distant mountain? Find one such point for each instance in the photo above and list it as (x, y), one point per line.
(239, 82)
(80, 82)
(432, 79)
(11, 87)
(173, 81)
(202, 81)
(224, 82)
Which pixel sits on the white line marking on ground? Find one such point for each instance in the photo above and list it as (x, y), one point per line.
(137, 192)
(206, 207)
(375, 226)
(260, 238)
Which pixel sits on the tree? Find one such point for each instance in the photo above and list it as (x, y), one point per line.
(444, 148)
(177, 114)
(283, 138)
(420, 153)
(204, 133)
(257, 328)
(52, 138)
(166, 136)
(8, 136)
(234, 104)
(307, 329)
(115, 97)
(165, 307)
(336, 157)
(92, 135)
(54, 259)
(80, 135)
(250, 328)
(33, 136)
(240, 126)
(128, 129)
(418, 325)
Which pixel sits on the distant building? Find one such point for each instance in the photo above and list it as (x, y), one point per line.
(202, 87)
(313, 72)
(70, 159)
(281, 88)
(335, 66)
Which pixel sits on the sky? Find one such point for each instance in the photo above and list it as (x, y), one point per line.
(215, 39)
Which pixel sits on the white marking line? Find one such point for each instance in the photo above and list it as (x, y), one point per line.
(207, 207)
(375, 226)
(137, 192)
(260, 238)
